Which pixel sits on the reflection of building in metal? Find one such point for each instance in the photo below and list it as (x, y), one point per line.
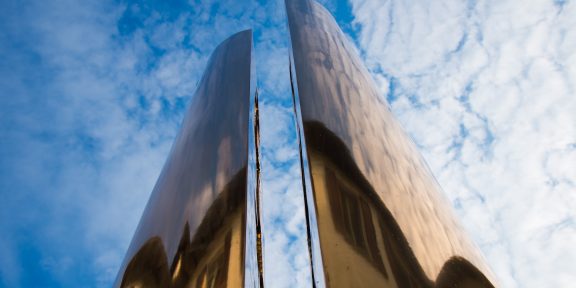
(199, 228)
(376, 214)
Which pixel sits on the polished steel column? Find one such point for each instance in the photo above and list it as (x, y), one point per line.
(199, 228)
(380, 216)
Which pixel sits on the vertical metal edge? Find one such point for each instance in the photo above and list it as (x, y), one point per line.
(253, 271)
(258, 190)
(314, 249)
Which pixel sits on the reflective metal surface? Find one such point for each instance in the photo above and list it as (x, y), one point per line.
(195, 231)
(382, 221)
(315, 255)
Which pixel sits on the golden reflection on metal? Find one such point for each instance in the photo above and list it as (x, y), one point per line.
(382, 221)
(193, 231)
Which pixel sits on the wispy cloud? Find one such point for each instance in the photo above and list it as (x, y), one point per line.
(284, 219)
(486, 90)
(92, 94)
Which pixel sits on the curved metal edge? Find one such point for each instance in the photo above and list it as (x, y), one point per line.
(315, 251)
(253, 261)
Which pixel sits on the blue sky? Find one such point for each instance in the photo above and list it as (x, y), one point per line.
(92, 94)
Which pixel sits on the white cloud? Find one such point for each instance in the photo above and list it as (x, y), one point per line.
(286, 259)
(487, 91)
(83, 152)
(99, 90)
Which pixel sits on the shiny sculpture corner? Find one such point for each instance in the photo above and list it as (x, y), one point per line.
(375, 214)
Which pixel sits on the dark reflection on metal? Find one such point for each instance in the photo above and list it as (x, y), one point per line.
(193, 231)
(253, 272)
(382, 221)
(254, 252)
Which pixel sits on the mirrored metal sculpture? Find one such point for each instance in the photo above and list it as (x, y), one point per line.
(199, 228)
(380, 215)
(375, 214)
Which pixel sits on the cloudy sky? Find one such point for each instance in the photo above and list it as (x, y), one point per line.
(92, 94)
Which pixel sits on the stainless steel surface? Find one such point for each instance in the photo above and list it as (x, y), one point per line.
(382, 220)
(193, 231)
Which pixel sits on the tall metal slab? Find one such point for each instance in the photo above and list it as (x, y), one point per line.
(199, 226)
(380, 215)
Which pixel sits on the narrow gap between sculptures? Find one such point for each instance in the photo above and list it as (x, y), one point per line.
(302, 171)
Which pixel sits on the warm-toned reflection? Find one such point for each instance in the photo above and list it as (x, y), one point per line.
(362, 244)
(193, 232)
(382, 219)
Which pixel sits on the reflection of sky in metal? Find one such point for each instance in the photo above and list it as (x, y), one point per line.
(92, 93)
